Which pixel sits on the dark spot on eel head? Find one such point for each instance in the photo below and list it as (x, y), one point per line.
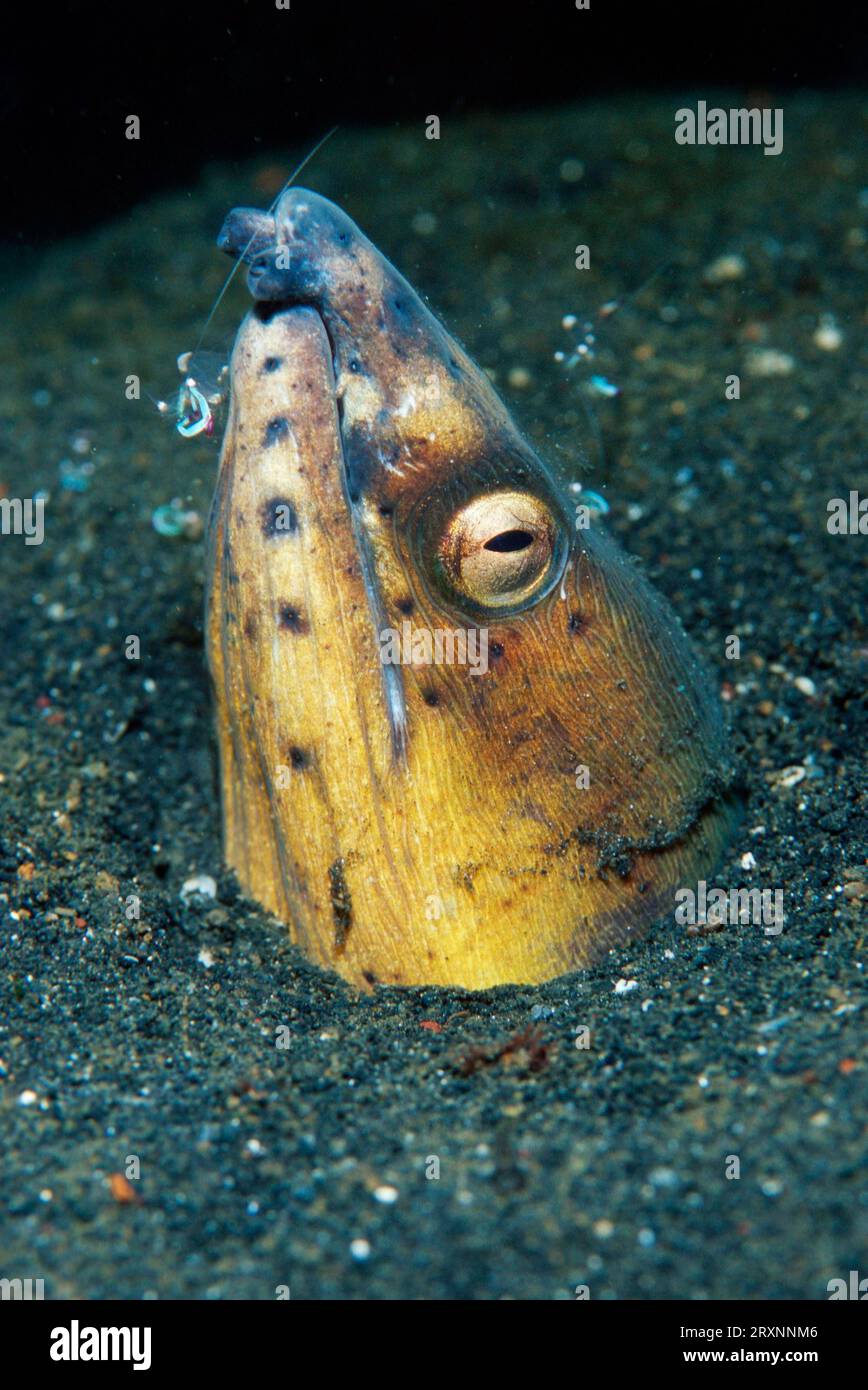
(405, 606)
(290, 619)
(577, 623)
(431, 698)
(495, 649)
(271, 364)
(275, 429)
(250, 626)
(279, 517)
(298, 758)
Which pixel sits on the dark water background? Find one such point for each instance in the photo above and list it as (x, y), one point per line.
(155, 1038)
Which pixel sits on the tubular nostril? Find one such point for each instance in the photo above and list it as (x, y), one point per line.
(245, 232)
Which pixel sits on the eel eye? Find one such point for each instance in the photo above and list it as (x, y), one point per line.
(497, 550)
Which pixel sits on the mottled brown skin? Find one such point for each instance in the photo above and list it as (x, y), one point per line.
(420, 823)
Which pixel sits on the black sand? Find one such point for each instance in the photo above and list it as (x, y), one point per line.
(558, 1166)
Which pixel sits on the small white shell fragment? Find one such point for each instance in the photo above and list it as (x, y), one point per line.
(788, 776)
(200, 886)
(729, 267)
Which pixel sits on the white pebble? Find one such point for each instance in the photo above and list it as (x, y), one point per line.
(828, 335)
(770, 362)
(664, 1177)
(28, 1098)
(731, 267)
(624, 986)
(386, 1194)
(360, 1249)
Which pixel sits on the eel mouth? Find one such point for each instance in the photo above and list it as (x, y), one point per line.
(307, 256)
(304, 332)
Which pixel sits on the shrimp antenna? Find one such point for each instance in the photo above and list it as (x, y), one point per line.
(231, 276)
(615, 304)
